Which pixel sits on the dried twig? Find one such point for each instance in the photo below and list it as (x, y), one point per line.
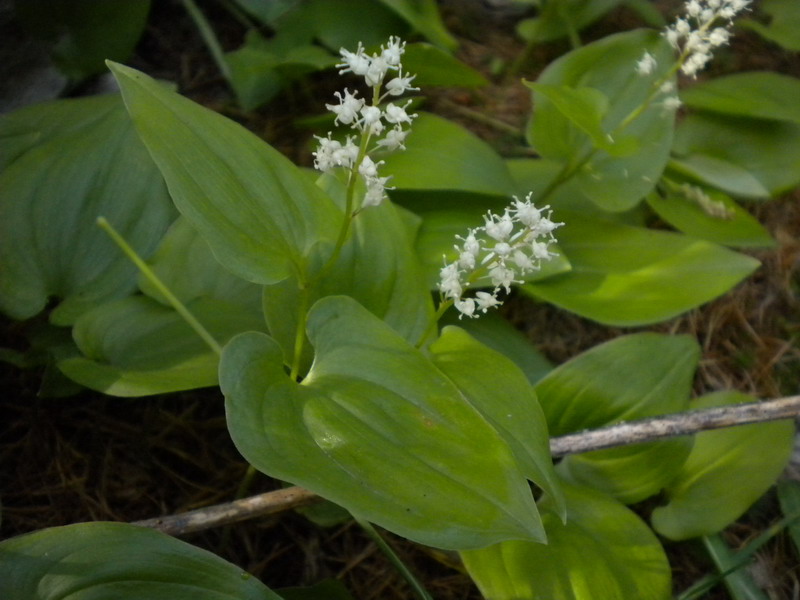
(631, 432)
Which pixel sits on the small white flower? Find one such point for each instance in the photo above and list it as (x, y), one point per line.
(347, 110)
(393, 51)
(485, 301)
(378, 68)
(646, 64)
(499, 228)
(397, 114)
(376, 191)
(394, 139)
(671, 103)
(512, 255)
(354, 62)
(466, 307)
(400, 85)
(502, 277)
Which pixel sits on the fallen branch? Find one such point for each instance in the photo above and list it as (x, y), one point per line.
(631, 432)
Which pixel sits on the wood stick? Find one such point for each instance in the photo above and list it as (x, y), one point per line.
(631, 432)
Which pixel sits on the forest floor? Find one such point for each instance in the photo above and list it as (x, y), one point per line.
(92, 457)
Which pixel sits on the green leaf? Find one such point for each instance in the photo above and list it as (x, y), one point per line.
(784, 23)
(256, 210)
(85, 33)
(737, 148)
(377, 267)
(498, 334)
(629, 276)
(424, 17)
(259, 70)
(628, 378)
(617, 181)
(50, 245)
(586, 108)
(435, 67)
(760, 95)
(562, 18)
(494, 385)
(725, 473)
(738, 228)
(345, 23)
(603, 551)
(137, 347)
(535, 175)
(94, 561)
(789, 498)
(719, 173)
(462, 161)
(369, 389)
(184, 263)
(739, 582)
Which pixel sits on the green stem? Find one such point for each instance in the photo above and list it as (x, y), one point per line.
(418, 588)
(179, 306)
(207, 33)
(300, 332)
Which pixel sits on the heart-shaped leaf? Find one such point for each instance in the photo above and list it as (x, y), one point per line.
(116, 560)
(376, 428)
(50, 245)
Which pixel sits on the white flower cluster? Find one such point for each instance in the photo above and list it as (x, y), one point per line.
(698, 32)
(505, 249)
(713, 208)
(368, 119)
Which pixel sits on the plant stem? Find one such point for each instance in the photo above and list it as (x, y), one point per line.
(207, 33)
(418, 588)
(145, 269)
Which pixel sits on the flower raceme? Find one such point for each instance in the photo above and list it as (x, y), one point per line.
(368, 120)
(506, 248)
(704, 26)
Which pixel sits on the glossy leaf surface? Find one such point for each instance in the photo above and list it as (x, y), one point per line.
(504, 396)
(376, 428)
(138, 347)
(745, 157)
(725, 473)
(623, 275)
(377, 267)
(603, 551)
(761, 95)
(631, 377)
(738, 228)
(557, 132)
(462, 161)
(97, 561)
(254, 208)
(498, 334)
(50, 244)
